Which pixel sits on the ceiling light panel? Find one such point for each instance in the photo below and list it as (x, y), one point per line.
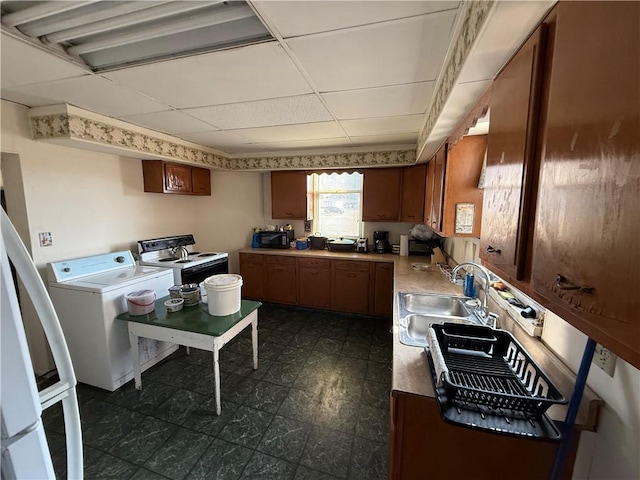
(304, 18)
(92, 93)
(171, 122)
(403, 51)
(287, 133)
(383, 125)
(243, 74)
(410, 98)
(276, 111)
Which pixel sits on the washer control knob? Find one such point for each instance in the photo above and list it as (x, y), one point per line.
(120, 259)
(66, 269)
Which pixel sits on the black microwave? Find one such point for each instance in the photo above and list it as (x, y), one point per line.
(275, 239)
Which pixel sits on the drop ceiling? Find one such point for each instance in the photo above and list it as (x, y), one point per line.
(312, 75)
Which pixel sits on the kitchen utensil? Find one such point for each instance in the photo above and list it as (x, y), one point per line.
(381, 241)
(317, 242)
(302, 243)
(341, 245)
(362, 245)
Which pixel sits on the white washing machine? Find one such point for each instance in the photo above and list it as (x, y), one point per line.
(87, 294)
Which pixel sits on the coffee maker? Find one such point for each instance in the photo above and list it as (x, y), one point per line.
(381, 241)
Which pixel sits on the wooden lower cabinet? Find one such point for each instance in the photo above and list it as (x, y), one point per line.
(422, 445)
(314, 282)
(280, 277)
(383, 289)
(351, 286)
(252, 272)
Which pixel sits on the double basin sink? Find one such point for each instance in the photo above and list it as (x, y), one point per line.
(417, 311)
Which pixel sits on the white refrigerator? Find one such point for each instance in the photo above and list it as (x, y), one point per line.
(25, 454)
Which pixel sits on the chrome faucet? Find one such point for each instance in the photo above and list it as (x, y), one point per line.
(482, 312)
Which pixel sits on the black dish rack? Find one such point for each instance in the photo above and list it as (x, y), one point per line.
(484, 379)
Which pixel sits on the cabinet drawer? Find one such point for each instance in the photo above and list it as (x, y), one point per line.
(353, 265)
(279, 260)
(251, 258)
(314, 263)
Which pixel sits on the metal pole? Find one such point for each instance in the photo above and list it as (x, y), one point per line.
(572, 412)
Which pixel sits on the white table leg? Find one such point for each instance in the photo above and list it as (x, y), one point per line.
(254, 342)
(216, 375)
(135, 355)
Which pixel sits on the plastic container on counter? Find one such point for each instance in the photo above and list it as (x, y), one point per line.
(223, 293)
(140, 302)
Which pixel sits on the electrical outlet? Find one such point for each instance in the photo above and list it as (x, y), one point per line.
(46, 239)
(604, 359)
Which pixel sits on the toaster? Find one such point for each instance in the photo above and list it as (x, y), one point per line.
(362, 245)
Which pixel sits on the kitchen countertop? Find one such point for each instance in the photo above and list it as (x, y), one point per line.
(410, 373)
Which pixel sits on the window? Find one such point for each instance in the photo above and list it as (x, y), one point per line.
(337, 204)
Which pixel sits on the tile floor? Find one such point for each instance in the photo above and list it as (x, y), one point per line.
(316, 408)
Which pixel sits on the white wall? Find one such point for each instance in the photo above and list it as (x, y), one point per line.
(94, 203)
(613, 452)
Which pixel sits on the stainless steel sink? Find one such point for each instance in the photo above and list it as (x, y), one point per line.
(419, 310)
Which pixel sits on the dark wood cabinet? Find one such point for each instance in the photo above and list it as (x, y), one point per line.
(508, 189)
(289, 195)
(381, 194)
(252, 272)
(176, 178)
(350, 285)
(281, 279)
(461, 192)
(586, 263)
(435, 190)
(414, 182)
(383, 289)
(420, 440)
(314, 282)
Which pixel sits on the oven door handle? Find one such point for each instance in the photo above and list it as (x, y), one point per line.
(208, 265)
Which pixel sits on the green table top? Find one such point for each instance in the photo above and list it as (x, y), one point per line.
(194, 319)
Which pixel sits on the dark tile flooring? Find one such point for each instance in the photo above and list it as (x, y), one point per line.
(316, 408)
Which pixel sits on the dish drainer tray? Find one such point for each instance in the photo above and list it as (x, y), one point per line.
(485, 379)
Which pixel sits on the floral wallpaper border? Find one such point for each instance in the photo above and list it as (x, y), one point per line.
(476, 13)
(75, 127)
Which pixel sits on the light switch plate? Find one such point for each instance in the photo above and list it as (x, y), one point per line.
(604, 359)
(46, 239)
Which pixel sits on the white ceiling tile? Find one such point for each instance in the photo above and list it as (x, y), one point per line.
(380, 102)
(392, 53)
(23, 64)
(299, 144)
(170, 122)
(287, 133)
(261, 113)
(225, 141)
(236, 75)
(304, 18)
(92, 93)
(397, 139)
(382, 125)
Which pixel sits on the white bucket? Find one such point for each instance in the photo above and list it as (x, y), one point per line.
(141, 302)
(223, 293)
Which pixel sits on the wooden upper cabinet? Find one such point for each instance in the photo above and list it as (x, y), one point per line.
(176, 178)
(586, 262)
(508, 188)
(289, 195)
(462, 204)
(428, 193)
(413, 192)
(435, 190)
(381, 195)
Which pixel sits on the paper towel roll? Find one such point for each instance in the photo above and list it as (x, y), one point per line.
(404, 245)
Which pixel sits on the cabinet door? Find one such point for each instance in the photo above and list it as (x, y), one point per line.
(428, 201)
(201, 181)
(439, 168)
(252, 272)
(381, 195)
(383, 289)
(587, 225)
(177, 178)
(350, 286)
(289, 195)
(510, 151)
(413, 192)
(314, 282)
(281, 279)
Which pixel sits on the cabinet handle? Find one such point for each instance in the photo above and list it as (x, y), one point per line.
(563, 284)
(352, 275)
(490, 249)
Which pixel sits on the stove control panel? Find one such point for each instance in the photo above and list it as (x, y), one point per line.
(165, 243)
